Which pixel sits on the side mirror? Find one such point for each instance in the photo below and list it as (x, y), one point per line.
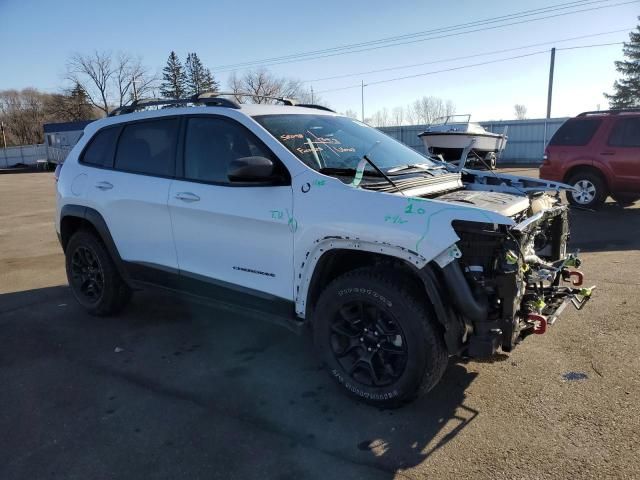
(250, 169)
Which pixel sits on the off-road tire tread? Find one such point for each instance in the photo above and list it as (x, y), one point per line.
(436, 352)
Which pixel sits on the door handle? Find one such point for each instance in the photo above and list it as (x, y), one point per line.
(608, 152)
(187, 197)
(104, 186)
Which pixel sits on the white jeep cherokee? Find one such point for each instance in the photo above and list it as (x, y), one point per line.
(394, 259)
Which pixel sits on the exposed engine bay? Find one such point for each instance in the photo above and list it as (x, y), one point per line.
(520, 277)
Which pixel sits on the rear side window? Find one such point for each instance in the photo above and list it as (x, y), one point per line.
(148, 147)
(625, 133)
(211, 143)
(576, 132)
(101, 148)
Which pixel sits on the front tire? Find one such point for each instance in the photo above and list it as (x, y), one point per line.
(93, 276)
(592, 191)
(378, 340)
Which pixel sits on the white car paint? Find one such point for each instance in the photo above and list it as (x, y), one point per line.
(282, 231)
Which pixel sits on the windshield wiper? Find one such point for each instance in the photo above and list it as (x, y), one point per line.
(386, 177)
(414, 166)
(345, 171)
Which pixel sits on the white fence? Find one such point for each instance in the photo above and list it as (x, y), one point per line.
(26, 155)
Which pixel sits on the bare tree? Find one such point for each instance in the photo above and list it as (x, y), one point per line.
(350, 113)
(261, 83)
(380, 118)
(132, 79)
(520, 111)
(450, 108)
(23, 113)
(107, 80)
(397, 116)
(427, 109)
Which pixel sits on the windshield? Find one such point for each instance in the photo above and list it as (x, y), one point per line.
(332, 142)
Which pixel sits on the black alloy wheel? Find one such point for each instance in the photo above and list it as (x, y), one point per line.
(87, 275)
(368, 343)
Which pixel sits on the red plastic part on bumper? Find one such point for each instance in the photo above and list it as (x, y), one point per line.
(539, 323)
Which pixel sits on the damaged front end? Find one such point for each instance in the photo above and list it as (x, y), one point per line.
(508, 282)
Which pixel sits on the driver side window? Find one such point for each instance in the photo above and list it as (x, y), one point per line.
(212, 143)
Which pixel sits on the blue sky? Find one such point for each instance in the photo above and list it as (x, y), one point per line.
(38, 37)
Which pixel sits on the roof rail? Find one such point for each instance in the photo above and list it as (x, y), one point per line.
(313, 105)
(283, 100)
(208, 100)
(613, 111)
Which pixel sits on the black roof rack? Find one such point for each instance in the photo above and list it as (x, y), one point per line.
(313, 105)
(205, 99)
(283, 100)
(614, 111)
(209, 99)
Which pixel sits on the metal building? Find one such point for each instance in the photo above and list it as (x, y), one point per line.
(59, 138)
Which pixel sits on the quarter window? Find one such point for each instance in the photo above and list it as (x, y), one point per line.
(101, 148)
(575, 132)
(625, 133)
(148, 147)
(211, 143)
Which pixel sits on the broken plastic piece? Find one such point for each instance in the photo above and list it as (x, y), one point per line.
(511, 257)
(539, 323)
(576, 282)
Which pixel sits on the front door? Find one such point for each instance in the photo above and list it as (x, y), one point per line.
(237, 237)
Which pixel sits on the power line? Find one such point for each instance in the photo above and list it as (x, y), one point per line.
(561, 6)
(589, 46)
(305, 56)
(410, 35)
(464, 57)
(461, 67)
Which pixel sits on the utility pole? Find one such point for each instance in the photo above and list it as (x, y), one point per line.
(312, 94)
(552, 64)
(362, 100)
(4, 139)
(550, 92)
(135, 91)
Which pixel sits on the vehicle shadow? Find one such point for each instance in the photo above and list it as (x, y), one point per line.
(251, 379)
(607, 229)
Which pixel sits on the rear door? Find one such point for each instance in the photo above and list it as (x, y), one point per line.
(623, 152)
(131, 190)
(235, 236)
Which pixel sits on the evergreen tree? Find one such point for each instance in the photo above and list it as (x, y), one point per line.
(199, 78)
(174, 79)
(627, 88)
(79, 103)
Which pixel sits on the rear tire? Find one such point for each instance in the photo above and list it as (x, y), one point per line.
(93, 276)
(592, 190)
(378, 340)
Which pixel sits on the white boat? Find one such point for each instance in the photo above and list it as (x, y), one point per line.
(450, 136)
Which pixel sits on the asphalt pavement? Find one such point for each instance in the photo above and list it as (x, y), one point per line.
(175, 389)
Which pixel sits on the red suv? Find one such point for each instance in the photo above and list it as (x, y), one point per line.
(598, 153)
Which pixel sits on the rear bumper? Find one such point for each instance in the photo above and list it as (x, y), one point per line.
(548, 172)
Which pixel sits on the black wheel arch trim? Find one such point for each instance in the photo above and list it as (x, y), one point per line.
(96, 220)
(453, 325)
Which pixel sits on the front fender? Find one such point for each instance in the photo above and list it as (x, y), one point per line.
(329, 214)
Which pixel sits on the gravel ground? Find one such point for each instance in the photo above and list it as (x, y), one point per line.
(171, 389)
